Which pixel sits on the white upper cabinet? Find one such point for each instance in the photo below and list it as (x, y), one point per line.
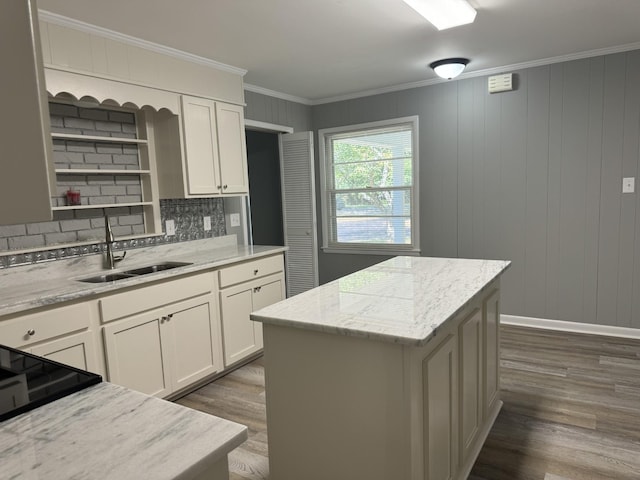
(25, 183)
(213, 160)
(232, 148)
(201, 160)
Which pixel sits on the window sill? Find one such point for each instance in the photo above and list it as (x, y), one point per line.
(373, 251)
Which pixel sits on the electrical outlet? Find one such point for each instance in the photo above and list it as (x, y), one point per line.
(234, 219)
(170, 227)
(207, 223)
(628, 184)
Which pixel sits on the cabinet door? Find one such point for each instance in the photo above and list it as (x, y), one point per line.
(240, 337)
(201, 148)
(263, 296)
(439, 380)
(491, 330)
(232, 148)
(196, 345)
(137, 354)
(471, 413)
(75, 350)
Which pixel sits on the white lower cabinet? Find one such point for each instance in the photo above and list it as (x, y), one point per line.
(60, 333)
(75, 350)
(246, 287)
(163, 350)
(241, 335)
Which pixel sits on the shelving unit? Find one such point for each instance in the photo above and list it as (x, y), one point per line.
(98, 138)
(146, 171)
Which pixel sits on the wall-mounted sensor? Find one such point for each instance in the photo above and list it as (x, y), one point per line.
(501, 83)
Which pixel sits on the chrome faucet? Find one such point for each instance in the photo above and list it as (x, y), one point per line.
(111, 260)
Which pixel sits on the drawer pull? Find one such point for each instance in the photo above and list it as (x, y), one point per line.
(31, 332)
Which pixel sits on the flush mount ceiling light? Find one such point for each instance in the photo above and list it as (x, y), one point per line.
(449, 67)
(444, 13)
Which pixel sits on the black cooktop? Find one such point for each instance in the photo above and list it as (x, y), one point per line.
(28, 381)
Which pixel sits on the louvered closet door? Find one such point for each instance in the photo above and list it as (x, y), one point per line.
(299, 211)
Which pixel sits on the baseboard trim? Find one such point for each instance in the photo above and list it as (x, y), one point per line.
(575, 327)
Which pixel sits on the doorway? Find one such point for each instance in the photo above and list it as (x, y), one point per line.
(263, 158)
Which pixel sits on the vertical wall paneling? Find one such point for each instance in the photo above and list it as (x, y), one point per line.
(465, 164)
(439, 172)
(592, 189)
(628, 203)
(513, 188)
(611, 188)
(553, 187)
(491, 241)
(479, 150)
(573, 178)
(537, 169)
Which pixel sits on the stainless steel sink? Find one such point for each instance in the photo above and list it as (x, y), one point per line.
(156, 268)
(135, 272)
(110, 277)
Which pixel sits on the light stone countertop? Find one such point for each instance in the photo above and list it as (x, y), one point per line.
(31, 286)
(402, 300)
(110, 432)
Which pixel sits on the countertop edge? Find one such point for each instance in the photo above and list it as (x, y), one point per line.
(85, 290)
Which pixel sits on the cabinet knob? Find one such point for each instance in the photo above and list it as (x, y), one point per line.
(255, 272)
(31, 332)
(225, 186)
(218, 187)
(257, 289)
(170, 316)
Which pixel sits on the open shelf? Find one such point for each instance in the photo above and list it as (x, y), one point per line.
(106, 205)
(98, 138)
(95, 171)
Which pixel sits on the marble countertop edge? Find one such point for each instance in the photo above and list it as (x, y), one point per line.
(23, 296)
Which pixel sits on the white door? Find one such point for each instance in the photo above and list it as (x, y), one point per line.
(299, 211)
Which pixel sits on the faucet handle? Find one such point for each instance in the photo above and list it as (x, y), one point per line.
(119, 258)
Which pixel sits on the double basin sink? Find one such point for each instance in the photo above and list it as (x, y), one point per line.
(135, 272)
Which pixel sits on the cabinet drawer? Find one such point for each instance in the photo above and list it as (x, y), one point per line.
(146, 298)
(44, 325)
(246, 271)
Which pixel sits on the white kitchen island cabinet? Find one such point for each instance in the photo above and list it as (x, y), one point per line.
(388, 373)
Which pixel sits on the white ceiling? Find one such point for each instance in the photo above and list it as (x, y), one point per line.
(325, 49)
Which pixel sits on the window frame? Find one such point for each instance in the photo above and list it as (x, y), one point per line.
(330, 246)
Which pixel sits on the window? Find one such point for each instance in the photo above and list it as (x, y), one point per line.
(369, 186)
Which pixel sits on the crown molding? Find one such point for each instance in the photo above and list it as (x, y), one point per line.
(63, 21)
(480, 73)
(276, 94)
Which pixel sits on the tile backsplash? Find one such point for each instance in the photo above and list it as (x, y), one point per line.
(187, 214)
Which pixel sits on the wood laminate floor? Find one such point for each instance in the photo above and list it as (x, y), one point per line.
(571, 410)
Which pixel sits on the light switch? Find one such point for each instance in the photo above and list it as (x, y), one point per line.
(170, 227)
(207, 223)
(234, 219)
(628, 184)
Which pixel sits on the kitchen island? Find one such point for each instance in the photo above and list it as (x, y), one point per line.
(388, 373)
(110, 432)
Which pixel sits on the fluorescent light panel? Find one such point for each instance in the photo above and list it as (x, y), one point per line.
(444, 13)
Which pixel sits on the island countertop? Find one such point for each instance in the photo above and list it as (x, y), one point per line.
(110, 432)
(402, 300)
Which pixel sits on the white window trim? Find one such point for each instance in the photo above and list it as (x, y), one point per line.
(360, 248)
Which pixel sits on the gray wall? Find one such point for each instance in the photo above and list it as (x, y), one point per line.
(263, 108)
(533, 176)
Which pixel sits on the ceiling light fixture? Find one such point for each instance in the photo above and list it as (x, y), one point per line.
(444, 13)
(449, 67)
